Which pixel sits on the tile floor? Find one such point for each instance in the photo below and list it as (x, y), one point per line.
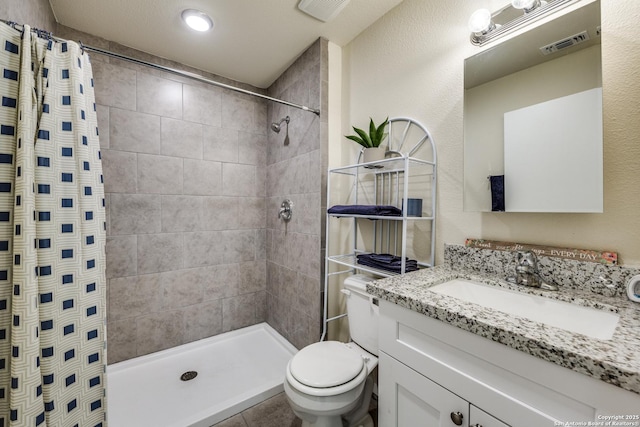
(274, 412)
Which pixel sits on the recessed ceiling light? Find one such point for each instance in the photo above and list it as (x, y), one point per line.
(197, 20)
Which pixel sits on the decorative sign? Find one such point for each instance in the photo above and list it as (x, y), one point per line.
(601, 257)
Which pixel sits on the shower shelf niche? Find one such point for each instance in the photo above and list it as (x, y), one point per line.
(408, 172)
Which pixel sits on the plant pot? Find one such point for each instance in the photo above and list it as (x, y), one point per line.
(373, 154)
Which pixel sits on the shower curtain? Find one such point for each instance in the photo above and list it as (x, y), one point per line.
(52, 234)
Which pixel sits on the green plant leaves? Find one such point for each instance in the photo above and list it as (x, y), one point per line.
(375, 136)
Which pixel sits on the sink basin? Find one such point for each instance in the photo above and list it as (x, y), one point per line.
(588, 321)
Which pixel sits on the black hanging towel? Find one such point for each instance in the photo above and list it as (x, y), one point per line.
(497, 193)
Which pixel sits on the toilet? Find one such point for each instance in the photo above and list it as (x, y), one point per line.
(329, 381)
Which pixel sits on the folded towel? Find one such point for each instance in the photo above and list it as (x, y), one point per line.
(373, 210)
(387, 262)
(497, 193)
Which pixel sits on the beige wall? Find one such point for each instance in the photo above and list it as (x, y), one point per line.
(410, 63)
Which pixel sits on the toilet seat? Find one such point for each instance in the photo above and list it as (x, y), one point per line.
(316, 366)
(326, 364)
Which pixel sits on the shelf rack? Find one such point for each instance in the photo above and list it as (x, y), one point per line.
(409, 171)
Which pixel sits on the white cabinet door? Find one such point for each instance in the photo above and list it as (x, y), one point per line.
(479, 418)
(408, 399)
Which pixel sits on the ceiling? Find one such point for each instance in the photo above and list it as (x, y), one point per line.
(253, 41)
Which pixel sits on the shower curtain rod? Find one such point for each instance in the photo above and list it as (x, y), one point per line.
(196, 77)
(193, 76)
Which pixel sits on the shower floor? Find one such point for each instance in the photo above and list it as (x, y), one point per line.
(236, 370)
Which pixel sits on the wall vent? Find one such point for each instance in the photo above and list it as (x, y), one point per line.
(565, 43)
(323, 10)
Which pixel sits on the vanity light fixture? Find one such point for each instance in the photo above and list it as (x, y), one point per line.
(196, 20)
(480, 22)
(486, 27)
(526, 5)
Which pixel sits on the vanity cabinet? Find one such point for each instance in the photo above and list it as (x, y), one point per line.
(411, 399)
(429, 369)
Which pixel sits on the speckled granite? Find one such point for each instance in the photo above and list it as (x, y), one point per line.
(615, 361)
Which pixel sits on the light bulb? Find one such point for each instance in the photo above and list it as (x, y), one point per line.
(480, 21)
(197, 20)
(527, 5)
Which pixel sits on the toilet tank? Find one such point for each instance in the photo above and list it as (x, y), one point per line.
(363, 313)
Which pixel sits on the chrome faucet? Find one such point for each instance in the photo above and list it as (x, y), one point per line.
(527, 273)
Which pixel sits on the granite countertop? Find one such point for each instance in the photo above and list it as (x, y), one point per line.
(615, 361)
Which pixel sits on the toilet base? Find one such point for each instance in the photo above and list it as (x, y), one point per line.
(324, 422)
(367, 421)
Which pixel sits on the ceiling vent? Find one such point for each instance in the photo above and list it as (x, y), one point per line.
(565, 43)
(323, 10)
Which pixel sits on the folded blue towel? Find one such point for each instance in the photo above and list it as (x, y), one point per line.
(387, 262)
(373, 210)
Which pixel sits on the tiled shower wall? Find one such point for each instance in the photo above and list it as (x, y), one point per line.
(184, 167)
(297, 172)
(36, 13)
(185, 170)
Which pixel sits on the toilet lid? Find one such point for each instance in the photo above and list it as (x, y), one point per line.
(326, 364)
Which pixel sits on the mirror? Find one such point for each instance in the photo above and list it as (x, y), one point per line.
(533, 117)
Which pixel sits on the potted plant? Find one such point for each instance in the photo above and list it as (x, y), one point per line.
(371, 141)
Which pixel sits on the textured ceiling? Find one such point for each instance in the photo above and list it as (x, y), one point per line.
(253, 41)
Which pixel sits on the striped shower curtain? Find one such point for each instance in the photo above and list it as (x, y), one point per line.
(52, 234)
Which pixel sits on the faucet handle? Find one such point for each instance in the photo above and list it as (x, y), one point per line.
(527, 259)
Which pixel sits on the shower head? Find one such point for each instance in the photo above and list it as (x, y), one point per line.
(277, 126)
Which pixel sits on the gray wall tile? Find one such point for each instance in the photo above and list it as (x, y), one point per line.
(120, 170)
(238, 312)
(159, 174)
(181, 213)
(131, 131)
(202, 177)
(181, 288)
(239, 113)
(221, 281)
(220, 144)
(134, 214)
(203, 248)
(180, 138)
(220, 213)
(159, 252)
(252, 212)
(295, 171)
(261, 306)
(202, 105)
(121, 343)
(159, 331)
(253, 277)
(121, 252)
(252, 148)
(155, 95)
(115, 86)
(202, 320)
(239, 246)
(238, 180)
(130, 297)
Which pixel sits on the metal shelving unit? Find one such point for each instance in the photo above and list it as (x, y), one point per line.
(408, 172)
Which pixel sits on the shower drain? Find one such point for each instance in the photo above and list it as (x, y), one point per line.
(189, 375)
